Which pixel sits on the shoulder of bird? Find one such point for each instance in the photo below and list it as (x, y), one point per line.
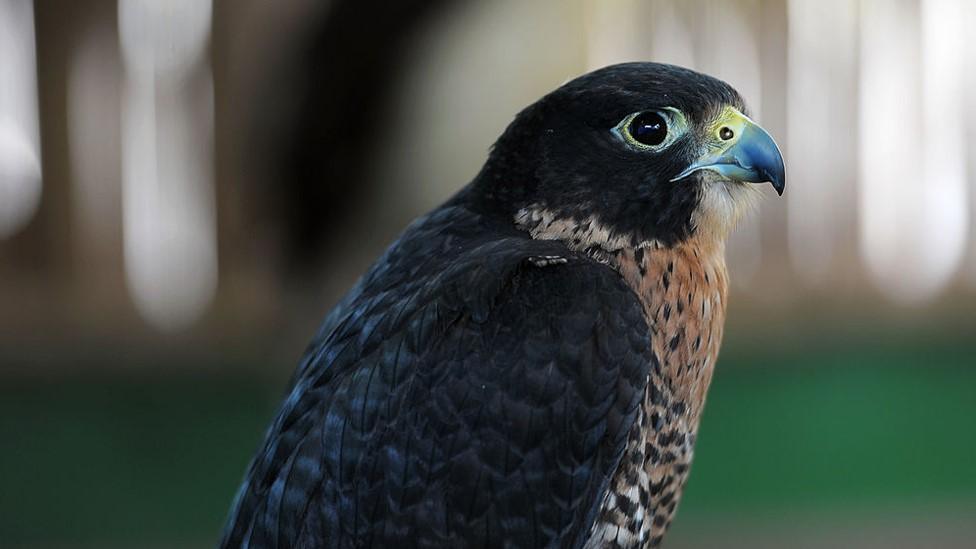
(446, 358)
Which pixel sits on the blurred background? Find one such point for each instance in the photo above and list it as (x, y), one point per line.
(187, 186)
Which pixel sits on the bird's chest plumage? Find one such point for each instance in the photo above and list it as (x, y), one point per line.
(683, 293)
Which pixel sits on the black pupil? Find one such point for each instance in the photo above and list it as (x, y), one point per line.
(649, 128)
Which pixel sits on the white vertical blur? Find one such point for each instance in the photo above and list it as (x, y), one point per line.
(169, 220)
(20, 165)
(613, 32)
(671, 39)
(969, 52)
(731, 52)
(618, 31)
(913, 196)
(945, 28)
(820, 120)
(890, 162)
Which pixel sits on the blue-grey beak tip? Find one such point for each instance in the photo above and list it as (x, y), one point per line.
(777, 177)
(760, 153)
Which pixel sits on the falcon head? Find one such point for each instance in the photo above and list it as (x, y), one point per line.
(645, 151)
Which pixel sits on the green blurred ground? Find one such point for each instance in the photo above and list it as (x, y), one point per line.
(819, 441)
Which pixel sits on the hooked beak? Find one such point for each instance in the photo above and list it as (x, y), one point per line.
(743, 152)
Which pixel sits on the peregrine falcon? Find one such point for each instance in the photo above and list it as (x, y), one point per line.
(526, 366)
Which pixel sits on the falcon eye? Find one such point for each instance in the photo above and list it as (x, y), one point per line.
(649, 128)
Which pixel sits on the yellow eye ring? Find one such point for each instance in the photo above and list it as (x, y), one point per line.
(651, 130)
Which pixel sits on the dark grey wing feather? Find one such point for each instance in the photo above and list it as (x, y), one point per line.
(478, 402)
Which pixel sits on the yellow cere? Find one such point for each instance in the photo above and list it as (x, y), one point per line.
(726, 128)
